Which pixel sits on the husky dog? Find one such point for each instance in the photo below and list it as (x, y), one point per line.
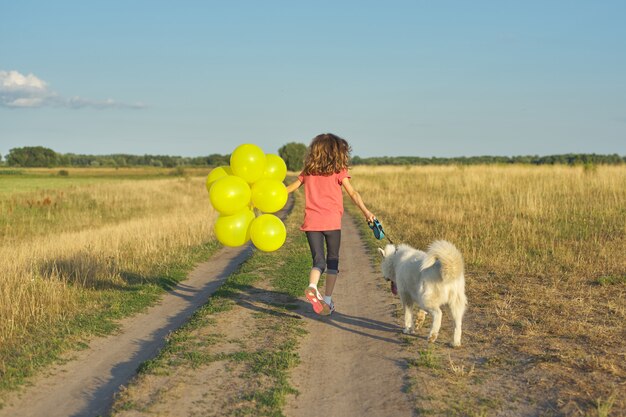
(429, 279)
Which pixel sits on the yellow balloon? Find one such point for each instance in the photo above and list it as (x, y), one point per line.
(216, 174)
(234, 230)
(230, 194)
(275, 167)
(269, 196)
(268, 232)
(248, 162)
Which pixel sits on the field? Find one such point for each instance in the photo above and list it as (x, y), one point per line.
(31, 179)
(546, 282)
(80, 250)
(545, 274)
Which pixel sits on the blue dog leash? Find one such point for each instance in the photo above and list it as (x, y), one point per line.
(379, 232)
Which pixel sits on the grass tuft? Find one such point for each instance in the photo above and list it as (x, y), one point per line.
(604, 407)
(426, 358)
(612, 280)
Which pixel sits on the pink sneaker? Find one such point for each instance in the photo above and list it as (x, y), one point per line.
(331, 308)
(315, 298)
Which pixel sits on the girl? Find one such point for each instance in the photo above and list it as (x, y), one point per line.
(325, 171)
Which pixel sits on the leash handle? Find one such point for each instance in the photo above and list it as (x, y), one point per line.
(377, 228)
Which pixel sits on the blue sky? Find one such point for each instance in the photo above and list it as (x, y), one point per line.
(422, 78)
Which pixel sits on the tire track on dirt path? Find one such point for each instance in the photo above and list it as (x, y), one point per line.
(84, 386)
(352, 362)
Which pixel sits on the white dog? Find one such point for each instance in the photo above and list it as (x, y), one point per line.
(429, 279)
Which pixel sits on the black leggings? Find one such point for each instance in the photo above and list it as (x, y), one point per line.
(330, 263)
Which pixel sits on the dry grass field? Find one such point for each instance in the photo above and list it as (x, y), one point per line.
(545, 260)
(544, 248)
(74, 254)
(21, 180)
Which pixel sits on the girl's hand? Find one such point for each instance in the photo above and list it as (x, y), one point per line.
(293, 186)
(369, 216)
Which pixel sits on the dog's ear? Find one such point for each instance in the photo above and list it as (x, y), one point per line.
(382, 252)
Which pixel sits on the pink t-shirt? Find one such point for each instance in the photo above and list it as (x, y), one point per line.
(323, 205)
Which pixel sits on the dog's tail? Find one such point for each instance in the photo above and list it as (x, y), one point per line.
(448, 256)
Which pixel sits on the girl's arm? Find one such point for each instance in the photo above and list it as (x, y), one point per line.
(293, 186)
(356, 199)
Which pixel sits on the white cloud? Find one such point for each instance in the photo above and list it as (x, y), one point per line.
(17, 90)
(27, 91)
(79, 102)
(25, 102)
(13, 80)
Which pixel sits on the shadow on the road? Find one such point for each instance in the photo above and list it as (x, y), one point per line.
(266, 301)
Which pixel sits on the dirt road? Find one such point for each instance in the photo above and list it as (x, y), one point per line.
(352, 362)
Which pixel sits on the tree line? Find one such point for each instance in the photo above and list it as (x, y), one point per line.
(39, 156)
(293, 153)
(564, 159)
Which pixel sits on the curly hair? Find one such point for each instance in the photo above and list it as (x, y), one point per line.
(327, 154)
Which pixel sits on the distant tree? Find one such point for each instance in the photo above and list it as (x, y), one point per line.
(217, 160)
(63, 160)
(293, 154)
(120, 160)
(32, 156)
(356, 160)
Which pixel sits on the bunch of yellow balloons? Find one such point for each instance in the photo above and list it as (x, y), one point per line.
(251, 185)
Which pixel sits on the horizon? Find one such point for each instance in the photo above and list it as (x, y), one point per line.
(410, 78)
(3, 156)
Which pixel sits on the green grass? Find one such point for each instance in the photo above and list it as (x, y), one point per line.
(604, 407)
(612, 280)
(292, 276)
(426, 358)
(44, 346)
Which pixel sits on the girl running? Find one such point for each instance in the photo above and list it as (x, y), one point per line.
(325, 172)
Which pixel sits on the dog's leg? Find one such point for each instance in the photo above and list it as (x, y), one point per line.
(407, 302)
(434, 331)
(457, 309)
(457, 330)
(421, 316)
